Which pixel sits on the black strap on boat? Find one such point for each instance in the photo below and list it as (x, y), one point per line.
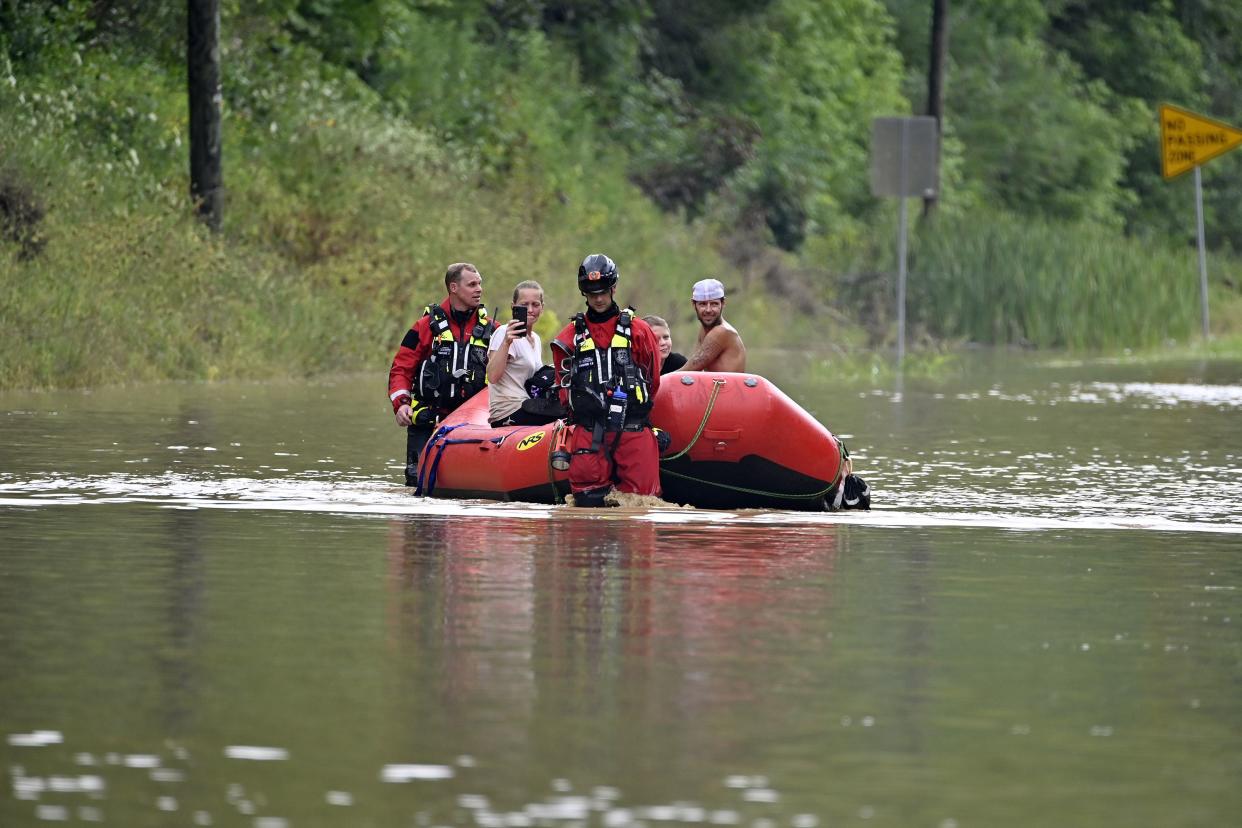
(744, 490)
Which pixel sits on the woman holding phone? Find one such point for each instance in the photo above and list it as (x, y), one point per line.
(515, 354)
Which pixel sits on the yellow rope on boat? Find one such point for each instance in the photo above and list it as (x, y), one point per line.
(707, 412)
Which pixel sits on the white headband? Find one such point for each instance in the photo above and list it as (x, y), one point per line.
(707, 289)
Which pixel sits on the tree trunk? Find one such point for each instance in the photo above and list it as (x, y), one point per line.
(935, 86)
(203, 72)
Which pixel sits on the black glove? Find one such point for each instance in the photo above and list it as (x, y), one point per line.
(857, 493)
(663, 438)
(422, 415)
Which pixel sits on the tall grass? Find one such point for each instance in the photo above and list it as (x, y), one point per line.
(340, 219)
(1004, 280)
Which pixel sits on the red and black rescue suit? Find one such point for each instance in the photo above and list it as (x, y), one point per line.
(441, 363)
(608, 368)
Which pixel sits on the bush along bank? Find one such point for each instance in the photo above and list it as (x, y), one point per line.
(340, 219)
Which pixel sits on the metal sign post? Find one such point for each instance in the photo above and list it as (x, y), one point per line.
(1203, 291)
(1189, 140)
(903, 164)
(901, 243)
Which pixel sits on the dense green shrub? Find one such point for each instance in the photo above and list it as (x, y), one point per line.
(340, 219)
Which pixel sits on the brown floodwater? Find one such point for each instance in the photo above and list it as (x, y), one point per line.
(218, 608)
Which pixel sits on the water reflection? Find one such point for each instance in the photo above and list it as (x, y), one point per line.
(253, 635)
(178, 659)
(460, 610)
(543, 621)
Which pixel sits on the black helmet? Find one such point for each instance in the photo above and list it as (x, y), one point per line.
(597, 273)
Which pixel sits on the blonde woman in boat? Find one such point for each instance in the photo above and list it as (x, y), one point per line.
(515, 354)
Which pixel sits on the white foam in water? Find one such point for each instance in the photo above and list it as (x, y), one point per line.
(28, 787)
(255, 753)
(52, 813)
(75, 784)
(761, 795)
(1168, 393)
(677, 812)
(565, 807)
(341, 798)
(1100, 493)
(37, 738)
(142, 760)
(408, 773)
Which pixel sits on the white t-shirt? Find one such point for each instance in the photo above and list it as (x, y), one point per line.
(525, 358)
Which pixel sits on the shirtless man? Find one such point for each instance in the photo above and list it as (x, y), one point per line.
(720, 346)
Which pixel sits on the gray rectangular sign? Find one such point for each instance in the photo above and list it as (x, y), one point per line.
(903, 156)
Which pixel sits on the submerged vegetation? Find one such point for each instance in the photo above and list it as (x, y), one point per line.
(368, 143)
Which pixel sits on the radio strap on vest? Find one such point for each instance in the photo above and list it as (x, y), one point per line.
(439, 322)
(455, 370)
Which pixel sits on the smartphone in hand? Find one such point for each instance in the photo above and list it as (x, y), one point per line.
(520, 316)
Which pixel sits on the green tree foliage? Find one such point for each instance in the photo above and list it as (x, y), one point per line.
(819, 74)
(1082, 82)
(1141, 53)
(1043, 139)
(369, 138)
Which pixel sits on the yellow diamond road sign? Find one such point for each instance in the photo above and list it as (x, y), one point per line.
(1188, 140)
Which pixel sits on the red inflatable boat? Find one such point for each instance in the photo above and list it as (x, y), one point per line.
(737, 442)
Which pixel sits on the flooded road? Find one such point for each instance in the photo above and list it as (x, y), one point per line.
(216, 608)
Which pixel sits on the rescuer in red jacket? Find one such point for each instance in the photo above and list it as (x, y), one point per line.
(441, 362)
(608, 366)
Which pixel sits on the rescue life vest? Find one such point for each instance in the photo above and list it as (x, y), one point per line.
(455, 370)
(597, 374)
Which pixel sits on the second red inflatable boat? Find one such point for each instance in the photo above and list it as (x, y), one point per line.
(737, 442)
